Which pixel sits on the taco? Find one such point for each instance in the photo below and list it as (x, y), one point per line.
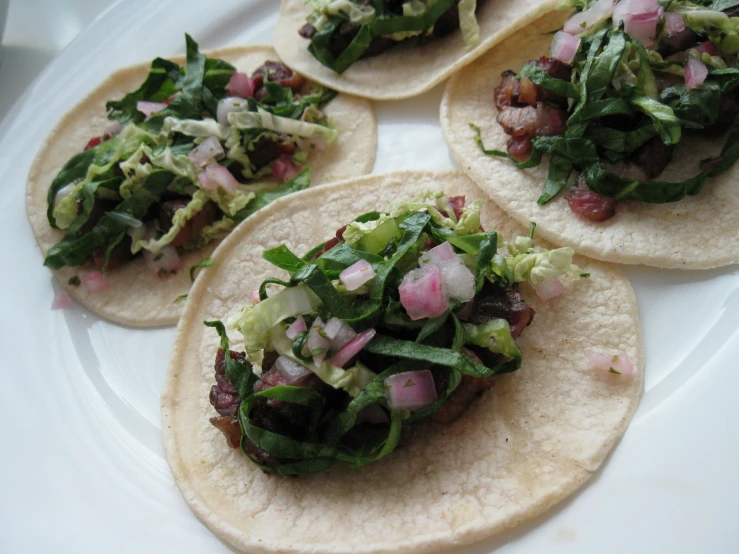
(618, 130)
(352, 364)
(170, 168)
(401, 52)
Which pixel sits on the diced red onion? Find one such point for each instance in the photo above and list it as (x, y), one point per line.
(284, 168)
(421, 293)
(674, 23)
(296, 327)
(62, 300)
(437, 255)
(411, 390)
(585, 20)
(695, 73)
(216, 176)
(291, 371)
(94, 281)
(352, 348)
(708, 48)
(317, 344)
(357, 275)
(228, 105)
(163, 263)
(619, 364)
(457, 280)
(149, 108)
(62, 193)
(640, 18)
(564, 47)
(339, 333)
(240, 85)
(549, 288)
(254, 295)
(112, 129)
(205, 151)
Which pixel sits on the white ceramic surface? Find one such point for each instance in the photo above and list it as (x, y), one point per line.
(82, 469)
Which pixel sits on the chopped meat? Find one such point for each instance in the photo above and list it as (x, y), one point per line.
(507, 92)
(518, 121)
(457, 204)
(677, 42)
(230, 427)
(223, 397)
(653, 157)
(555, 69)
(625, 169)
(331, 243)
(194, 225)
(120, 254)
(519, 148)
(307, 31)
(266, 150)
(529, 91)
(496, 302)
(225, 404)
(458, 402)
(276, 72)
(550, 120)
(589, 204)
(667, 80)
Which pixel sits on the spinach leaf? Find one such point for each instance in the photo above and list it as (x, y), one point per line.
(75, 251)
(387, 346)
(282, 257)
(538, 75)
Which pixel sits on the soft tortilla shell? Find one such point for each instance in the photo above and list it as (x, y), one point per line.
(699, 232)
(404, 70)
(531, 441)
(134, 296)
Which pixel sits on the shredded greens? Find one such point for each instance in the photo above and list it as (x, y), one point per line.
(381, 20)
(391, 243)
(144, 187)
(617, 105)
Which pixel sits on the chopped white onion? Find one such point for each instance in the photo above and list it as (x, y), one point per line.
(164, 263)
(421, 293)
(207, 150)
(63, 193)
(620, 364)
(112, 129)
(254, 295)
(674, 23)
(640, 19)
(216, 176)
(291, 371)
(457, 280)
(357, 275)
(240, 85)
(410, 390)
(586, 20)
(149, 108)
(437, 254)
(94, 281)
(317, 344)
(564, 47)
(352, 348)
(228, 105)
(296, 327)
(549, 288)
(338, 332)
(695, 73)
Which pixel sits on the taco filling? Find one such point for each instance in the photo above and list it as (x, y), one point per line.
(188, 155)
(623, 83)
(344, 31)
(401, 317)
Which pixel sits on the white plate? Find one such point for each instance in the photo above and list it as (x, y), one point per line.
(82, 468)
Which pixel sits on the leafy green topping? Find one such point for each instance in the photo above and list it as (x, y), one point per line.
(207, 262)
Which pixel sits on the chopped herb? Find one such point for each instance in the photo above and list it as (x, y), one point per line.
(74, 281)
(207, 262)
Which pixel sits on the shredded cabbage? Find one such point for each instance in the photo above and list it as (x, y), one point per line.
(135, 172)
(536, 264)
(468, 22)
(66, 211)
(356, 230)
(495, 335)
(468, 224)
(323, 9)
(181, 217)
(352, 380)
(256, 322)
(265, 120)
